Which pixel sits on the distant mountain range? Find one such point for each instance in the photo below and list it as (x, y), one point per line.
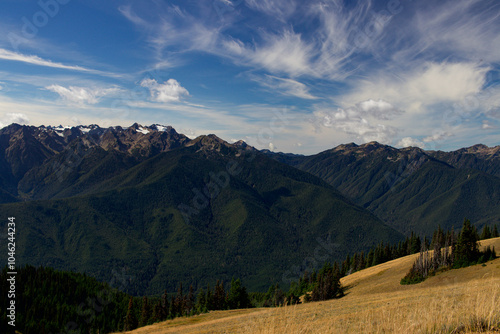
(411, 189)
(167, 208)
(171, 209)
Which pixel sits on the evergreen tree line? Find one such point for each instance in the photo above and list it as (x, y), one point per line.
(451, 251)
(181, 304)
(315, 286)
(380, 254)
(49, 302)
(489, 232)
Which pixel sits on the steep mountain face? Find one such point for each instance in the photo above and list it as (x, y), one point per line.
(22, 148)
(411, 189)
(181, 210)
(52, 162)
(479, 157)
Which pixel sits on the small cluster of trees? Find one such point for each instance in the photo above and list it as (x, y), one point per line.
(182, 304)
(489, 232)
(321, 285)
(451, 251)
(380, 254)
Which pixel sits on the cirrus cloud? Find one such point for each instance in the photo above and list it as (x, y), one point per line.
(81, 95)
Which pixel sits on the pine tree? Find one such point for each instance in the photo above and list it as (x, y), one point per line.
(201, 302)
(376, 257)
(165, 307)
(346, 266)
(179, 301)
(130, 319)
(278, 297)
(219, 296)
(209, 299)
(238, 296)
(486, 233)
(157, 312)
(495, 234)
(362, 261)
(436, 256)
(369, 258)
(145, 313)
(415, 243)
(173, 310)
(467, 248)
(190, 300)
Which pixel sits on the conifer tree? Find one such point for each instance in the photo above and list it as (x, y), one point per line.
(376, 256)
(157, 312)
(486, 233)
(278, 297)
(165, 306)
(237, 296)
(467, 249)
(190, 300)
(209, 299)
(362, 261)
(495, 234)
(219, 296)
(436, 256)
(145, 312)
(355, 262)
(130, 318)
(369, 258)
(173, 310)
(179, 301)
(201, 302)
(415, 243)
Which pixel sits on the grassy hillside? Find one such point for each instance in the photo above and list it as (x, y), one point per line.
(459, 301)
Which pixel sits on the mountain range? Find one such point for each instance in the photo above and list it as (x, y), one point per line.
(411, 189)
(165, 208)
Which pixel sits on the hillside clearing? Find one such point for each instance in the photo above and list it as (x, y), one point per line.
(456, 301)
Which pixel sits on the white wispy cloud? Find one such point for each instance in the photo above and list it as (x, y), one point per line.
(282, 53)
(323, 53)
(82, 95)
(276, 8)
(284, 86)
(466, 29)
(132, 16)
(169, 91)
(35, 60)
(38, 61)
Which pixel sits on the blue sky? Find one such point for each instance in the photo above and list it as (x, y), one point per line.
(292, 76)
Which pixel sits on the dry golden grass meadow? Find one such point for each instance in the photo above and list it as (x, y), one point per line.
(456, 301)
